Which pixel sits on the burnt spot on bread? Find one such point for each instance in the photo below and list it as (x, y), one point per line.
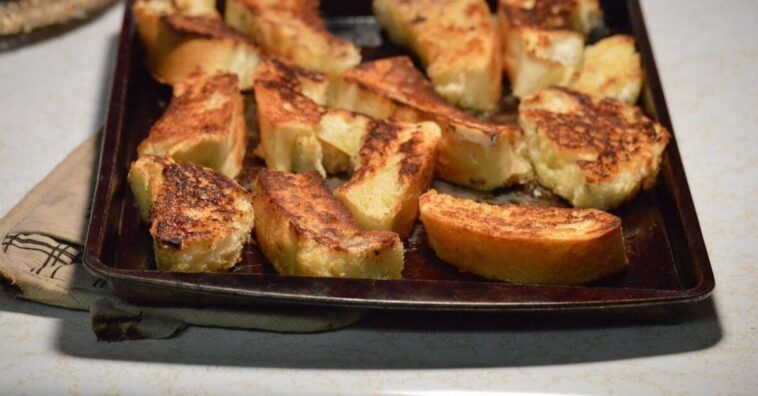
(379, 136)
(542, 14)
(418, 19)
(193, 202)
(413, 158)
(293, 73)
(384, 140)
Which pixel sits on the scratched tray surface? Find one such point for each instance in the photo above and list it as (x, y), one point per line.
(663, 242)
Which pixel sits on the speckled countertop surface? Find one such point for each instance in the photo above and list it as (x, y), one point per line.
(53, 94)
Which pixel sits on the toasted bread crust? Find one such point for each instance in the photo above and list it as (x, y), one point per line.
(523, 244)
(595, 152)
(304, 230)
(314, 212)
(204, 123)
(399, 80)
(190, 112)
(521, 221)
(614, 133)
(472, 153)
(282, 99)
(293, 30)
(402, 157)
(180, 43)
(287, 116)
(203, 27)
(457, 42)
(579, 15)
(543, 41)
(544, 14)
(199, 219)
(611, 68)
(191, 188)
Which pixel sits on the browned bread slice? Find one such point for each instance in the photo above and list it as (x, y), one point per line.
(391, 163)
(457, 42)
(592, 151)
(199, 219)
(524, 244)
(204, 124)
(287, 117)
(395, 167)
(292, 30)
(304, 230)
(543, 41)
(611, 68)
(471, 152)
(182, 39)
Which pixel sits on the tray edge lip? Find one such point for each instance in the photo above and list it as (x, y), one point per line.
(116, 104)
(657, 296)
(684, 204)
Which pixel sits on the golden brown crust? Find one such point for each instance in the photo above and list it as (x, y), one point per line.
(611, 68)
(521, 221)
(543, 41)
(277, 69)
(304, 10)
(180, 43)
(205, 107)
(524, 244)
(456, 40)
(288, 114)
(293, 30)
(611, 132)
(398, 79)
(191, 189)
(396, 166)
(471, 152)
(313, 212)
(459, 37)
(548, 15)
(281, 93)
(204, 124)
(378, 146)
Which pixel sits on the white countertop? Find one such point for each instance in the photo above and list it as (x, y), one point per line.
(53, 95)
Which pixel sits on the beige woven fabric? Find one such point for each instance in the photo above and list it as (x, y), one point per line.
(23, 16)
(42, 239)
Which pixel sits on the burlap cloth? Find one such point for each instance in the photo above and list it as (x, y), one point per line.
(23, 16)
(42, 239)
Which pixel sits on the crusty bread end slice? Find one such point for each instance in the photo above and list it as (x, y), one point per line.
(524, 244)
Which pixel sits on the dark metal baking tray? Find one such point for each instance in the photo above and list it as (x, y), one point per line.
(669, 262)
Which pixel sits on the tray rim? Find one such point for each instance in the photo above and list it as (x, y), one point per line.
(209, 283)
